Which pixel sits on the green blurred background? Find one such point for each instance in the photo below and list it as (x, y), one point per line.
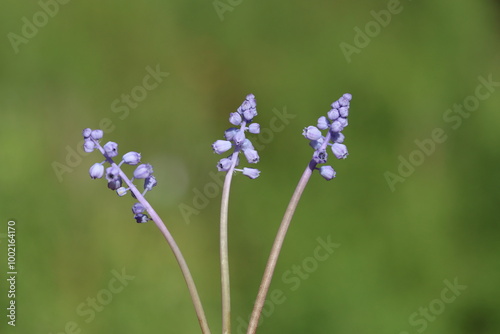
(398, 247)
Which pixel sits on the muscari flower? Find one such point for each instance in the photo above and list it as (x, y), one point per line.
(333, 123)
(237, 140)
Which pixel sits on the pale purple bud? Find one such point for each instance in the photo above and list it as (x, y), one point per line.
(251, 172)
(316, 144)
(239, 137)
(343, 121)
(96, 171)
(336, 126)
(337, 137)
(235, 118)
(143, 171)
(323, 123)
(312, 133)
(251, 98)
(221, 146)
(86, 132)
(112, 173)
(320, 157)
(97, 134)
(132, 158)
(254, 128)
(344, 112)
(247, 145)
(111, 148)
(122, 191)
(150, 182)
(344, 102)
(333, 114)
(336, 105)
(327, 172)
(229, 133)
(249, 114)
(339, 150)
(347, 96)
(88, 145)
(141, 218)
(252, 156)
(138, 208)
(224, 164)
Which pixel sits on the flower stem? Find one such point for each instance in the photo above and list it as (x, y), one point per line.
(173, 245)
(224, 253)
(275, 251)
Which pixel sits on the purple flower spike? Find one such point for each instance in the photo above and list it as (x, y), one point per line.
(254, 128)
(312, 133)
(223, 165)
(111, 149)
(252, 156)
(143, 171)
(96, 171)
(235, 118)
(327, 172)
(132, 158)
(221, 146)
(339, 150)
(251, 172)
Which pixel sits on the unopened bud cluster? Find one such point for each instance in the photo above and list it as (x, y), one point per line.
(113, 174)
(333, 123)
(235, 138)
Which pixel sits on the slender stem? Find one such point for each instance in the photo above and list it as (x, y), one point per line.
(278, 242)
(224, 253)
(173, 245)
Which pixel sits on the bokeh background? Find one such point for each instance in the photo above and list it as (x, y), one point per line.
(399, 244)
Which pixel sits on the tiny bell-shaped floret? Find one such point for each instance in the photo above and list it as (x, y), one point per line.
(143, 171)
(336, 126)
(86, 132)
(221, 146)
(312, 133)
(97, 134)
(320, 157)
(327, 172)
(247, 145)
(111, 149)
(141, 218)
(150, 182)
(229, 133)
(223, 165)
(323, 123)
(96, 171)
(251, 172)
(235, 118)
(112, 173)
(333, 114)
(122, 191)
(337, 137)
(254, 128)
(132, 158)
(138, 208)
(239, 137)
(252, 156)
(339, 150)
(88, 145)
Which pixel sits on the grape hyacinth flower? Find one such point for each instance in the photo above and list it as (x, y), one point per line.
(142, 210)
(333, 124)
(236, 139)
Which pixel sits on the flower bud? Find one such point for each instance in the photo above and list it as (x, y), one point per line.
(327, 172)
(132, 158)
(122, 191)
(323, 123)
(221, 146)
(96, 171)
(312, 133)
(251, 172)
(141, 218)
(138, 208)
(143, 171)
(97, 134)
(111, 149)
(344, 112)
(254, 128)
(333, 114)
(86, 132)
(229, 133)
(235, 118)
(88, 145)
(239, 137)
(252, 156)
(336, 126)
(223, 165)
(339, 150)
(150, 182)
